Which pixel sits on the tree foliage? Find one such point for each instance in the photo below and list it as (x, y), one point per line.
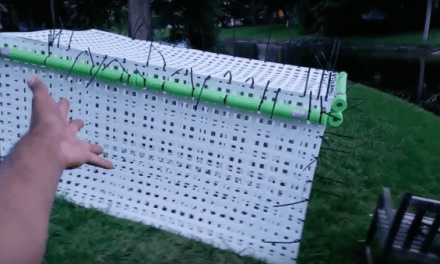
(195, 20)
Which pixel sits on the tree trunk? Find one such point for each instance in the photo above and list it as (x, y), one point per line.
(428, 20)
(139, 19)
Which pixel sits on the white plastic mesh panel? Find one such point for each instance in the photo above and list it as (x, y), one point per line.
(214, 174)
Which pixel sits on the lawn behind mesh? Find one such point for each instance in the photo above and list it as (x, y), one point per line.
(396, 145)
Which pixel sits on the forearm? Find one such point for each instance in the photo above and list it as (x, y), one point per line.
(28, 180)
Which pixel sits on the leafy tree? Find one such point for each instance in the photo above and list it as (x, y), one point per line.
(195, 20)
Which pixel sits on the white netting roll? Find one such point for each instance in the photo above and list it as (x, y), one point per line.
(215, 174)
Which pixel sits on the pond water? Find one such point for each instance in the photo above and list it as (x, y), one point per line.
(394, 71)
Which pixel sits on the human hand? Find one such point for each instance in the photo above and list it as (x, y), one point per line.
(49, 123)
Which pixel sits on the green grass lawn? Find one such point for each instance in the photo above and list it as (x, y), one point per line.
(281, 32)
(262, 32)
(396, 146)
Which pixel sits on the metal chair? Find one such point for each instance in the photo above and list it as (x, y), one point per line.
(402, 234)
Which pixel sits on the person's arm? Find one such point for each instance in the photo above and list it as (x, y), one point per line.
(30, 174)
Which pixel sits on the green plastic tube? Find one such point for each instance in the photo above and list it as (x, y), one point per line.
(82, 69)
(178, 89)
(154, 84)
(212, 96)
(136, 81)
(340, 102)
(125, 78)
(335, 121)
(110, 75)
(241, 102)
(28, 57)
(59, 64)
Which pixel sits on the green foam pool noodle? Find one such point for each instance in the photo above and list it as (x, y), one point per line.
(59, 64)
(212, 96)
(241, 102)
(24, 56)
(335, 121)
(178, 89)
(284, 111)
(125, 77)
(136, 81)
(109, 75)
(314, 116)
(154, 84)
(82, 69)
(340, 101)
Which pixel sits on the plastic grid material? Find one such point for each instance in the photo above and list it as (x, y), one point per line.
(215, 174)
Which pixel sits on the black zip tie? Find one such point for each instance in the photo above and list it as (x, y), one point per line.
(62, 28)
(192, 83)
(316, 175)
(338, 135)
(331, 55)
(307, 81)
(316, 158)
(325, 59)
(252, 85)
(353, 106)
(341, 151)
(262, 99)
(350, 87)
(310, 106)
(224, 100)
(59, 38)
(54, 37)
(164, 62)
(107, 66)
(163, 85)
(327, 193)
(328, 85)
(46, 59)
(302, 220)
(91, 57)
(267, 47)
(49, 42)
(149, 53)
(325, 141)
(73, 31)
(230, 76)
(337, 54)
(105, 57)
(200, 95)
(296, 241)
(134, 36)
(143, 77)
(281, 205)
(176, 72)
(320, 84)
(320, 115)
(276, 97)
(334, 117)
(71, 68)
(319, 62)
(304, 186)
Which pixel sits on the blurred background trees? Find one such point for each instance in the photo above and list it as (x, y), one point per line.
(198, 21)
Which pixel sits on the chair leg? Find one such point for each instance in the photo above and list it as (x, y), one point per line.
(370, 238)
(368, 254)
(372, 231)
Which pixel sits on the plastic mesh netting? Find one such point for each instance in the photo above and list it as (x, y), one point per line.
(231, 178)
